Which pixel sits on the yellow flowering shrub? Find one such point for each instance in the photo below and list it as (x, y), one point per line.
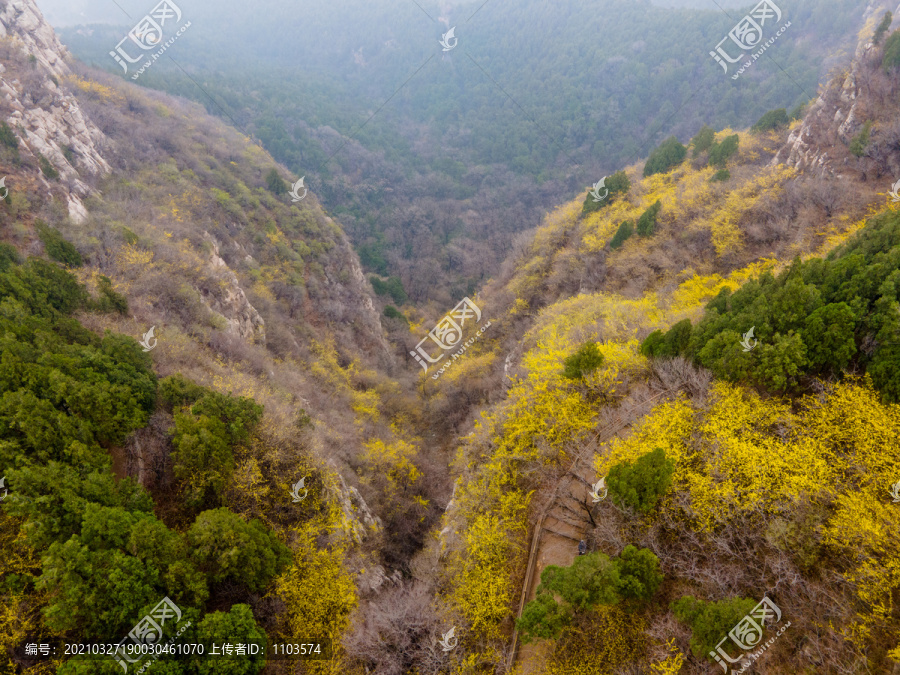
(392, 459)
(603, 640)
(671, 665)
(318, 594)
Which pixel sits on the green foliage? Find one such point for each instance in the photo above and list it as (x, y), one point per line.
(646, 224)
(860, 141)
(100, 579)
(43, 288)
(668, 154)
(177, 390)
(710, 621)
(371, 255)
(590, 580)
(891, 57)
(703, 140)
(639, 575)
(8, 138)
(672, 343)
(57, 247)
(626, 229)
(639, 485)
(584, 361)
(617, 183)
(110, 301)
(652, 344)
(392, 287)
(544, 617)
(781, 361)
(47, 168)
(225, 546)
(54, 497)
(204, 436)
(828, 336)
(393, 313)
(240, 415)
(809, 320)
(566, 594)
(720, 175)
(9, 256)
(771, 120)
(720, 152)
(67, 394)
(882, 27)
(276, 183)
(203, 458)
(237, 626)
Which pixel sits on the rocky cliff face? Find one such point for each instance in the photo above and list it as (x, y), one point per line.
(229, 301)
(818, 145)
(47, 117)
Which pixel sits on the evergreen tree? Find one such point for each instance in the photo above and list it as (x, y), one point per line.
(720, 152)
(891, 58)
(639, 485)
(584, 361)
(646, 224)
(626, 229)
(882, 28)
(56, 247)
(276, 183)
(670, 153)
(590, 580)
(703, 140)
(236, 626)
(771, 120)
(639, 575)
(710, 621)
(225, 546)
(860, 141)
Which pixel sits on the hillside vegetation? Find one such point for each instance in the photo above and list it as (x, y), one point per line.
(781, 470)
(475, 147)
(608, 480)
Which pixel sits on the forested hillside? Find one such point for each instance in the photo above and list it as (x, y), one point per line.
(183, 349)
(670, 446)
(433, 172)
(767, 476)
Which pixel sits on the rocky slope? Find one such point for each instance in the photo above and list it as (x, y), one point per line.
(246, 291)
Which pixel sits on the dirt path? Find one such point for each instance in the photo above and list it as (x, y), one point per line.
(562, 523)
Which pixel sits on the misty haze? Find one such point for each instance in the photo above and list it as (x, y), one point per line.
(401, 337)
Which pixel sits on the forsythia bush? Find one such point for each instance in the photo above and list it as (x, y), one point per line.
(318, 594)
